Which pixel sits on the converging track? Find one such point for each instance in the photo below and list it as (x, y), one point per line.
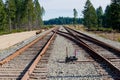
(44, 60)
(107, 56)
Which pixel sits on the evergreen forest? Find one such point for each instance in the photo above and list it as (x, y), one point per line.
(20, 15)
(27, 15)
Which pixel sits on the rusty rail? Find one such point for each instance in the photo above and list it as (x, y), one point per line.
(92, 52)
(18, 52)
(103, 44)
(33, 65)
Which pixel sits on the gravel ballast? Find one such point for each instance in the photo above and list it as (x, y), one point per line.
(6, 52)
(59, 70)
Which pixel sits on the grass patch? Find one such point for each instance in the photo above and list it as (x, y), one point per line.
(48, 26)
(118, 39)
(3, 32)
(105, 29)
(102, 36)
(101, 29)
(13, 31)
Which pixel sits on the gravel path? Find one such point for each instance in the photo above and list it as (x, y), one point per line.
(4, 53)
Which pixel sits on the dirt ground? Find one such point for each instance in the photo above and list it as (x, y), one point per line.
(111, 36)
(12, 39)
(115, 36)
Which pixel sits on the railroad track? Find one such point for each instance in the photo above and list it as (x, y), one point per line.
(85, 59)
(116, 51)
(107, 56)
(31, 63)
(21, 64)
(40, 71)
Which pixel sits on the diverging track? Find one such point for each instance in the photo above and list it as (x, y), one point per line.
(31, 62)
(104, 54)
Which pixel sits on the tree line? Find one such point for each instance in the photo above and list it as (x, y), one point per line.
(96, 18)
(64, 20)
(20, 14)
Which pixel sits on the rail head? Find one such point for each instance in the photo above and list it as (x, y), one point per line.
(35, 62)
(94, 54)
(103, 44)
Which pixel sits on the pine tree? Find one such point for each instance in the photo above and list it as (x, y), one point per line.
(11, 11)
(18, 14)
(29, 13)
(39, 12)
(75, 13)
(115, 14)
(90, 16)
(99, 12)
(24, 15)
(43, 10)
(116, 1)
(2, 16)
(107, 17)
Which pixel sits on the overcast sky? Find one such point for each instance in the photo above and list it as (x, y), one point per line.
(56, 8)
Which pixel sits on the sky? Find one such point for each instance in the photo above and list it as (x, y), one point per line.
(64, 8)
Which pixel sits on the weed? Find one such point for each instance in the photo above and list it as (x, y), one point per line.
(102, 36)
(119, 39)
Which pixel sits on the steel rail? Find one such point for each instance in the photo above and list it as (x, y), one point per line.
(21, 50)
(35, 62)
(92, 52)
(103, 44)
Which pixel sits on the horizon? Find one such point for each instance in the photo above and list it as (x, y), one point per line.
(53, 8)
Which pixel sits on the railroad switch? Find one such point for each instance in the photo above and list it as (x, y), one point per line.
(71, 58)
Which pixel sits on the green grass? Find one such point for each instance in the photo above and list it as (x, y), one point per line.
(103, 36)
(48, 26)
(3, 32)
(105, 29)
(118, 39)
(101, 29)
(13, 31)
